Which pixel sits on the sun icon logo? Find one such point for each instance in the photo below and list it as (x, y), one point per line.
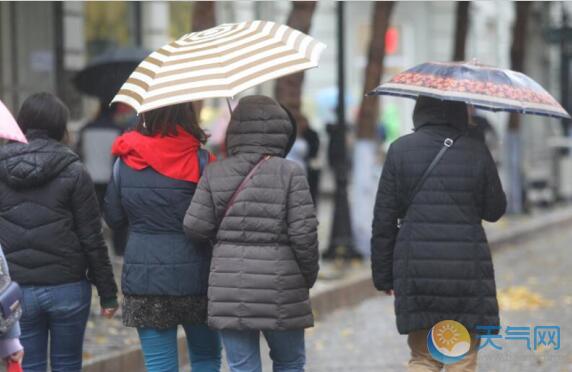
(448, 341)
(447, 335)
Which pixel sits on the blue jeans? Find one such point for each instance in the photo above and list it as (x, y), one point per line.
(161, 354)
(287, 350)
(60, 312)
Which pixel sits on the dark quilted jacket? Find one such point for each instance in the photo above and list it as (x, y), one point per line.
(50, 226)
(439, 263)
(265, 256)
(159, 259)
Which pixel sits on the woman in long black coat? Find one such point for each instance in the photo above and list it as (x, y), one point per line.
(438, 264)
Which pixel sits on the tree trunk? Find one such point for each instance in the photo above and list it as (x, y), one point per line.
(288, 89)
(365, 167)
(203, 18)
(513, 138)
(518, 47)
(369, 108)
(461, 30)
(203, 15)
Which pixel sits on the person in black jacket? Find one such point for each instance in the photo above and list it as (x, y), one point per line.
(94, 148)
(50, 230)
(165, 275)
(438, 264)
(311, 161)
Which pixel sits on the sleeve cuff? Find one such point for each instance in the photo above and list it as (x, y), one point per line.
(109, 303)
(384, 286)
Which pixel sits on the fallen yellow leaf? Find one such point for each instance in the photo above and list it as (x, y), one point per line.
(521, 298)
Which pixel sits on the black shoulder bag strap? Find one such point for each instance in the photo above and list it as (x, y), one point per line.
(447, 144)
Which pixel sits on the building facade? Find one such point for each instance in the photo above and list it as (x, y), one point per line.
(43, 44)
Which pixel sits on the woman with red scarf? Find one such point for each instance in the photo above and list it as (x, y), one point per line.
(165, 275)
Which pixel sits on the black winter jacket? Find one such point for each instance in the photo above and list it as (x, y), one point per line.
(50, 225)
(439, 263)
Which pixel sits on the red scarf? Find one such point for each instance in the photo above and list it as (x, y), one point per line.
(172, 156)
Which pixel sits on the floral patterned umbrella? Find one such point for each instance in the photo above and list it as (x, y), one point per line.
(484, 87)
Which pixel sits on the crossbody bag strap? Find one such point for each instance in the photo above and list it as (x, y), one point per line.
(447, 144)
(116, 175)
(204, 157)
(242, 185)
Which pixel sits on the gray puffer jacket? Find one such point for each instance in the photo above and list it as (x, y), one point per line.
(265, 255)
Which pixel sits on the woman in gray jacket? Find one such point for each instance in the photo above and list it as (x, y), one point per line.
(255, 207)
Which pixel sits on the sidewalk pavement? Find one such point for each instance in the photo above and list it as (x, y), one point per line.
(533, 283)
(111, 347)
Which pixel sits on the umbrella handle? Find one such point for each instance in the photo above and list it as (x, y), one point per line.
(229, 106)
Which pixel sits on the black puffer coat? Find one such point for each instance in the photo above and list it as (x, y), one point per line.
(266, 254)
(50, 226)
(439, 263)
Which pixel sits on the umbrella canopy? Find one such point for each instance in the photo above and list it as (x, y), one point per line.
(484, 87)
(105, 74)
(9, 129)
(218, 62)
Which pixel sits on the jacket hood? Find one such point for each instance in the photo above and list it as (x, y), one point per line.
(432, 111)
(35, 163)
(259, 125)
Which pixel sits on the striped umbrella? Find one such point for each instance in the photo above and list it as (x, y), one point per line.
(219, 62)
(484, 87)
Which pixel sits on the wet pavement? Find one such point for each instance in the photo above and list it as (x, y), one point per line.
(535, 288)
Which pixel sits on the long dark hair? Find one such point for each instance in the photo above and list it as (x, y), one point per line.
(46, 112)
(164, 121)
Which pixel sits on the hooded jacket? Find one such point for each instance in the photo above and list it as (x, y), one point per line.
(50, 226)
(438, 263)
(265, 256)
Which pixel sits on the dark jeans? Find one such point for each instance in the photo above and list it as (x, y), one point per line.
(60, 312)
